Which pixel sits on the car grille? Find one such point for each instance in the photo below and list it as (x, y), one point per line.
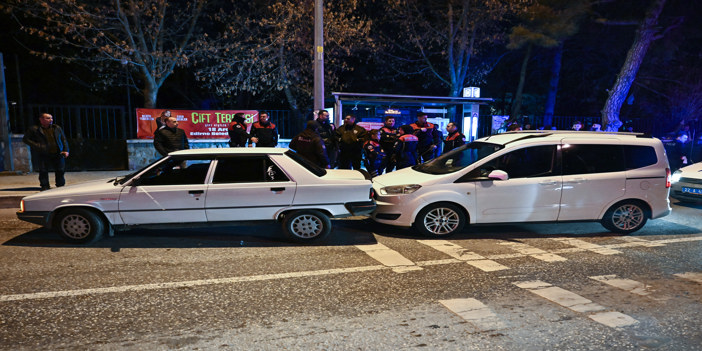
(690, 180)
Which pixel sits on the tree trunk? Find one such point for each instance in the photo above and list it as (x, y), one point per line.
(517, 102)
(644, 37)
(150, 93)
(553, 85)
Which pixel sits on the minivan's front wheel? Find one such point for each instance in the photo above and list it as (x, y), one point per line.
(441, 219)
(306, 225)
(625, 217)
(79, 225)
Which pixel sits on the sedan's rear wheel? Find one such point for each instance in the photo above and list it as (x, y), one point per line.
(442, 219)
(306, 225)
(625, 217)
(79, 225)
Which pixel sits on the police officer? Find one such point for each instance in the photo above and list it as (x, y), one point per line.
(375, 156)
(237, 131)
(428, 137)
(388, 137)
(405, 150)
(351, 137)
(264, 132)
(327, 131)
(454, 138)
(310, 145)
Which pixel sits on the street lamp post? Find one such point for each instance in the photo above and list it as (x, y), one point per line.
(318, 55)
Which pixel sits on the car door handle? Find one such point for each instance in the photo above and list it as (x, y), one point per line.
(196, 192)
(575, 181)
(277, 189)
(548, 182)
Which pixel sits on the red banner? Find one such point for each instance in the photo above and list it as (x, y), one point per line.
(197, 124)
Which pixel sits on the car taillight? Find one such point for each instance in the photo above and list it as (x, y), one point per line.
(371, 195)
(667, 177)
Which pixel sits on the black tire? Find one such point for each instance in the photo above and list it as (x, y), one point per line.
(79, 225)
(306, 225)
(625, 217)
(440, 220)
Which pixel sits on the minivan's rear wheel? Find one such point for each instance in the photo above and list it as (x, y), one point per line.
(306, 225)
(625, 217)
(441, 219)
(79, 225)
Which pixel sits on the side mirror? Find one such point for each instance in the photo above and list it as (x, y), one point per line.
(498, 175)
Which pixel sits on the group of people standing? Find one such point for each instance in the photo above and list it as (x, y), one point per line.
(380, 150)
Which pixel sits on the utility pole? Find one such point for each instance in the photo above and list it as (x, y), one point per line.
(5, 140)
(318, 55)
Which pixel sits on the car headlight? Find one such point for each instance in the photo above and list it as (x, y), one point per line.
(399, 189)
(676, 177)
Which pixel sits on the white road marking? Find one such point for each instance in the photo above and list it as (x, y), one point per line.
(695, 277)
(183, 284)
(389, 257)
(577, 303)
(582, 244)
(474, 312)
(641, 242)
(534, 252)
(463, 254)
(629, 285)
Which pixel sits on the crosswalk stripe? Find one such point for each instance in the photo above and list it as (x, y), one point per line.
(577, 303)
(581, 244)
(695, 277)
(629, 285)
(389, 257)
(641, 242)
(534, 252)
(474, 312)
(463, 254)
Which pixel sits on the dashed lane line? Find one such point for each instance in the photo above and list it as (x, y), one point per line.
(534, 252)
(629, 285)
(474, 312)
(389, 257)
(577, 303)
(695, 277)
(184, 284)
(462, 254)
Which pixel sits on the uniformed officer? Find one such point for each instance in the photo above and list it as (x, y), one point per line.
(428, 137)
(388, 137)
(405, 150)
(454, 138)
(237, 131)
(264, 132)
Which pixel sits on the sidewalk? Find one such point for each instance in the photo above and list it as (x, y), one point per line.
(13, 186)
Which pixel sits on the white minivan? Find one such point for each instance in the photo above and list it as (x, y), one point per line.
(618, 179)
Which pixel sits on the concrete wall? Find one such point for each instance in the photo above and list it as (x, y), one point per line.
(21, 155)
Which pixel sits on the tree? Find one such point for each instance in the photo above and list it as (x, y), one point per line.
(274, 49)
(149, 37)
(451, 41)
(545, 23)
(647, 32)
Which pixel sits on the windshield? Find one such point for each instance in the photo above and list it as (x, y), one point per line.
(318, 171)
(125, 178)
(458, 158)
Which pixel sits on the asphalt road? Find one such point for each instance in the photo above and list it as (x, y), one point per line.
(368, 287)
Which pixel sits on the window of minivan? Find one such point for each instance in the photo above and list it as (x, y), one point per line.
(528, 162)
(458, 158)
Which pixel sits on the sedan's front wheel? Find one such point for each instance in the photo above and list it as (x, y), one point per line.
(306, 225)
(441, 219)
(79, 225)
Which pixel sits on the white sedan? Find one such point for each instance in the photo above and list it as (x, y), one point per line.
(687, 183)
(202, 187)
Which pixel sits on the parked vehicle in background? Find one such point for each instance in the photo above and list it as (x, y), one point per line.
(200, 187)
(618, 179)
(687, 183)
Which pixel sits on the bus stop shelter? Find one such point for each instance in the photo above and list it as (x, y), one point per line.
(466, 115)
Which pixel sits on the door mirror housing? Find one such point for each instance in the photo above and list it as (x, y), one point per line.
(498, 175)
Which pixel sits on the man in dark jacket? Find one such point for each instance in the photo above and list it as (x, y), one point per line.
(310, 145)
(170, 138)
(388, 137)
(454, 138)
(405, 151)
(49, 150)
(429, 137)
(264, 133)
(351, 138)
(327, 131)
(237, 131)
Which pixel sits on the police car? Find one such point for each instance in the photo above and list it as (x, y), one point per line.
(687, 183)
(207, 187)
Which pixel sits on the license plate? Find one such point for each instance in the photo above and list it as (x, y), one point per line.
(692, 190)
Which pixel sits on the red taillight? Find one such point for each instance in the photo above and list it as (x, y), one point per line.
(668, 175)
(372, 194)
